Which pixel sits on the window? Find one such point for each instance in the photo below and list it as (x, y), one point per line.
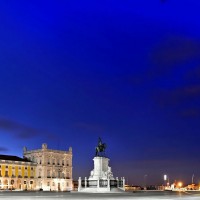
(13, 172)
(53, 184)
(0, 172)
(62, 162)
(6, 166)
(48, 184)
(32, 174)
(19, 173)
(59, 173)
(67, 184)
(67, 162)
(48, 173)
(6, 174)
(68, 176)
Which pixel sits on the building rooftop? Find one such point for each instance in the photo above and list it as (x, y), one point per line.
(44, 147)
(13, 158)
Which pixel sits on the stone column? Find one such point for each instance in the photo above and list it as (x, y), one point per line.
(117, 182)
(108, 184)
(123, 183)
(85, 182)
(97, 182)
(79, 184)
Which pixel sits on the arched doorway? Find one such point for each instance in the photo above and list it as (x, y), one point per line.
(5, 183)
(58, 186)
(25, 185)
(31, 185)
(12, 184)
(19, 184)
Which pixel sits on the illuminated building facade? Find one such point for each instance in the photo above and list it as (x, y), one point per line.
(54, 168)
(17, 173)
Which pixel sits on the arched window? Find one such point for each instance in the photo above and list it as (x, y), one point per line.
(68, 176)
(59, 174)
(48, 174)
(5, 182)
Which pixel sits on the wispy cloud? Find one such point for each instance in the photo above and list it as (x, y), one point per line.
(175, 50)
(3, 149)
(20, 130)
(168, 56)
(191, 113)
(179, 95)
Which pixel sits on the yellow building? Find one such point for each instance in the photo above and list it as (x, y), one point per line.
(16, 173)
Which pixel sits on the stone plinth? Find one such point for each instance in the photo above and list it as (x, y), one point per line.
(101, 178)
(101, 169)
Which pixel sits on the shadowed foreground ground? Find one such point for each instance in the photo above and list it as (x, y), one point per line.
(154, 195)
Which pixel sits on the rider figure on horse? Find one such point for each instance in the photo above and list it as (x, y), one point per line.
(100, 148)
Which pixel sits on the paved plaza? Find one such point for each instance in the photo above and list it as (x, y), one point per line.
(153, 195)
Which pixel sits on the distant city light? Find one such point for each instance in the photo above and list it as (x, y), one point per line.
(180, 184)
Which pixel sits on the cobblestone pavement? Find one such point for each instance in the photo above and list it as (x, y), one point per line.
(152, 195)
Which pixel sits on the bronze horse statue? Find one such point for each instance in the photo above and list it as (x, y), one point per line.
(100, 149)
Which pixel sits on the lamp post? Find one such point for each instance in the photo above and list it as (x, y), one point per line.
(192, 178)
(165, 181)
(145, 183)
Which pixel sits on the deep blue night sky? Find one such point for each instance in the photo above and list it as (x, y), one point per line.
(128, 71)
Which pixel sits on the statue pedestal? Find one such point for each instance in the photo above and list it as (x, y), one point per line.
(101, 169)
(101, 178)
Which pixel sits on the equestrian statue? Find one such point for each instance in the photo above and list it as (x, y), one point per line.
(100, 149)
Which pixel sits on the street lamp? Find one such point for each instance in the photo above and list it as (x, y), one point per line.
(192, 178)
(180, 184)
(165, 181)
(145, 187)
